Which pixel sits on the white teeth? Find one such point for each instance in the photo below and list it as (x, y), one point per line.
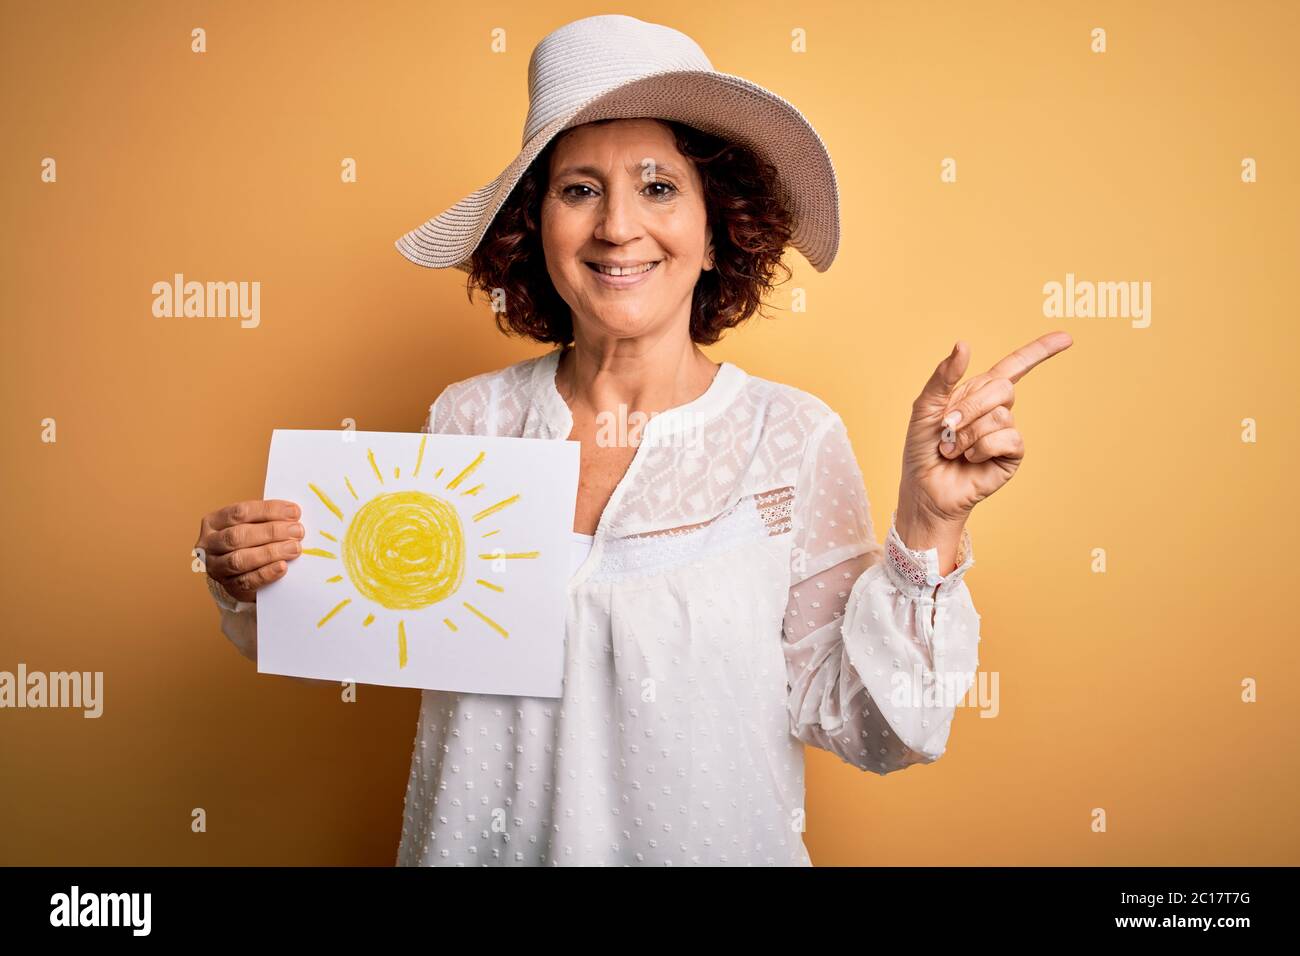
(631, 271)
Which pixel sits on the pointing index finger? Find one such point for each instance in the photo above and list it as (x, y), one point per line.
(1019, 362)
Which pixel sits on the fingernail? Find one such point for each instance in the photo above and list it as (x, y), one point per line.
(948, 447)
(294, 547)
(952, 418)
(296, 530)
(295, 511)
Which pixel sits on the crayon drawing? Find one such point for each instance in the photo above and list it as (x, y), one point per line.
(406, 549)
(436, 548)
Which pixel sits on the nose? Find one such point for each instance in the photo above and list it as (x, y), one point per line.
(618, 220)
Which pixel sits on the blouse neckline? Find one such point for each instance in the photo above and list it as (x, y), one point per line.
(726, 384)
(558, 419)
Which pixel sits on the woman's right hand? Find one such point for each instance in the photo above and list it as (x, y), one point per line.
(248, 545)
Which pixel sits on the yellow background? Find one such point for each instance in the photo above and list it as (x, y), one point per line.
(1119, 691)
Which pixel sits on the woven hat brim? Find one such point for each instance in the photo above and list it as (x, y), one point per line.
(727, 106)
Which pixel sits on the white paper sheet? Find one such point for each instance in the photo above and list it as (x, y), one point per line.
(433, 561)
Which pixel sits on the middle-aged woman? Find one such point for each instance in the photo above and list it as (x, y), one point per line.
(729, 601)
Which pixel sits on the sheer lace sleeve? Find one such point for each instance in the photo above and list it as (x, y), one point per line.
(879, 647)
(238, 620)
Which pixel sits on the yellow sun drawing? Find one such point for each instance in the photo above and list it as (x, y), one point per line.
(405, 549)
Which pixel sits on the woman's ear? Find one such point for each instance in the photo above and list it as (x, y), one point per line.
(708, 256)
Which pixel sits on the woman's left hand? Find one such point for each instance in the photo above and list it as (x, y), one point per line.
(948, 470)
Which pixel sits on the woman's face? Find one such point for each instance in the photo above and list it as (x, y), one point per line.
(620, 194)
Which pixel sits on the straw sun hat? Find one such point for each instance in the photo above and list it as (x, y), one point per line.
(617, 66)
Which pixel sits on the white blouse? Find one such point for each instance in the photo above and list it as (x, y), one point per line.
(732, 606)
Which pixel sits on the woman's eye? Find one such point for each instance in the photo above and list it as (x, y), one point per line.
(664, 191)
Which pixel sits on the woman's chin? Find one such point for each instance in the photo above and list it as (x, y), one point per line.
(623, 322)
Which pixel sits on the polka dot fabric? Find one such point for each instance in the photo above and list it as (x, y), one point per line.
(733, 606)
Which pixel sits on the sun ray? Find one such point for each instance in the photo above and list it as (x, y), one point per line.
(325, 500)
(475, 490)
(493, 509)
(491, 623)
(455, 482)
(448, 622)
(318, 553)
(488, 534)
(334, 580)
(397, 471)
(438, 473)
(326, 534)
(348, 482)
(401, 644)
(489, 584)
(374, 466)
(370, 619)
(511, 554)
(419, 458)
(338, 607)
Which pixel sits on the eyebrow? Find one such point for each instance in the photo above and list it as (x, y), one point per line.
(633, 169)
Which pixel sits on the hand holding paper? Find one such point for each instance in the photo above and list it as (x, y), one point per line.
(433, 561)
(247, 545)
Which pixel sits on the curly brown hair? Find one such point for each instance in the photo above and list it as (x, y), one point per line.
(747, 214)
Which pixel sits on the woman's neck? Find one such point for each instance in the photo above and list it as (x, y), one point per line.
(633, 376)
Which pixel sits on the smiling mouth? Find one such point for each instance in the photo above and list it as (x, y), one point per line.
(615, 271)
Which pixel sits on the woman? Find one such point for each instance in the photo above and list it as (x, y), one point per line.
(729, 600)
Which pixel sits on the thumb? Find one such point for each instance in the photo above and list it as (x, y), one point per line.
(947, 374)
